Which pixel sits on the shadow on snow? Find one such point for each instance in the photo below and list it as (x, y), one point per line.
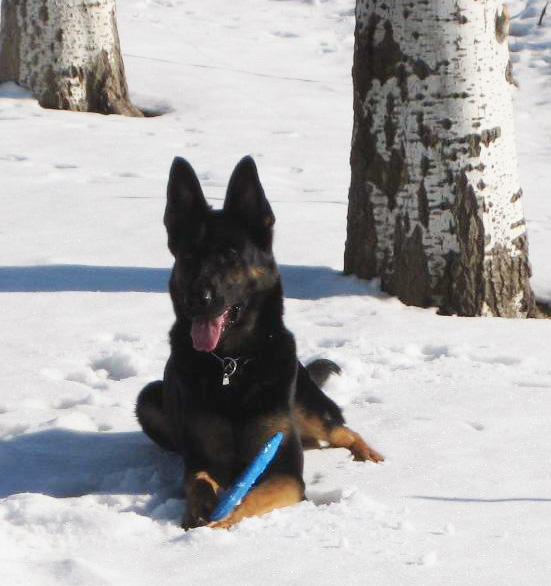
(67, 463)
(455, 499)
(302, 282)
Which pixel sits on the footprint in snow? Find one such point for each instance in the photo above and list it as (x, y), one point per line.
(118, 364)
(284, 34)
(86, 375)
(333, 343)
(71, 402)
(13, 158)
(475, 425)
(65, 166)
(122, 356)
(330, 323)
(73, 420)
(324, 498)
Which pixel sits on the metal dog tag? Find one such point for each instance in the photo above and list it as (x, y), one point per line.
(230, 366)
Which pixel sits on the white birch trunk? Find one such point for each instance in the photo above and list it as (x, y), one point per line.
(66, 52)
(435, 201)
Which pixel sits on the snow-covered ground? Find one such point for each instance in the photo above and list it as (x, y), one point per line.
(459, 407)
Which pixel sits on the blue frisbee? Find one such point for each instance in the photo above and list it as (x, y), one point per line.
(231, 497)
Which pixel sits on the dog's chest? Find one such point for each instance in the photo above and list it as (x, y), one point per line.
(214, 435)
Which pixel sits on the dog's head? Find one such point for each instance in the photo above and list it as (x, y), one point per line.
(223, 258)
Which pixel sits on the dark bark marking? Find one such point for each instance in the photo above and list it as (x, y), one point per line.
(10, 45)
(458, 16)
(509, 74)
(516, 196)
(428, 138)
(502, 23)
(507, 276)
(518, 224)
(409, 279)
(375, 60)
(486, 137)
(423, 205)
(425, 165)
(421, 69)
(461, 285)
(390, 124)
(490, 135)
(43, 13)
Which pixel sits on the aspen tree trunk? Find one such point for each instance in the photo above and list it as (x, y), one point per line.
(435, 201)
(67, 53)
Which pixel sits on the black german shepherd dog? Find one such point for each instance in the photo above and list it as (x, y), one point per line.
(233, 378)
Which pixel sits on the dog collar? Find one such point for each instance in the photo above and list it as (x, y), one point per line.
(229, 366)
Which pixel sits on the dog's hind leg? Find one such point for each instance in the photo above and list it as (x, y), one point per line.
(315, 429)
(320, 419)
(149, 410)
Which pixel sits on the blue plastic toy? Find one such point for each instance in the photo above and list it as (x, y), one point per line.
(243, 484)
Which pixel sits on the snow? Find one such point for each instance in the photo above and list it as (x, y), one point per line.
(459, 407)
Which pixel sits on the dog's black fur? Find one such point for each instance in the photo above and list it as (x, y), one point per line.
(227, 296)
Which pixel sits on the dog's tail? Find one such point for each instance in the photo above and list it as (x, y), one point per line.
(311, 399)
(321, 369)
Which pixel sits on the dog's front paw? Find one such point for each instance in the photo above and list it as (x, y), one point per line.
(197, 514)
(201, 500)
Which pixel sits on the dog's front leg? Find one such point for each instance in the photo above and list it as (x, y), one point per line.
(201, 498)
(276, 491)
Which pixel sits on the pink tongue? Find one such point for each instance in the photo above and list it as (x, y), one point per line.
(205, 333)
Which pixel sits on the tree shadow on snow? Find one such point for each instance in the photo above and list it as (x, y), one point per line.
(67, 463)
(454, 499)
(302, 282)
(53, 278)
(10, 89)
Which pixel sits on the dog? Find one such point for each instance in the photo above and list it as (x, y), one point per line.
(233, 378)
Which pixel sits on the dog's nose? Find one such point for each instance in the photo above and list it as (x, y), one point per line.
(201, 300)
(206, 297)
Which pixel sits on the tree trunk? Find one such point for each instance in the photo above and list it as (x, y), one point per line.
(67, 53)
(435, 202)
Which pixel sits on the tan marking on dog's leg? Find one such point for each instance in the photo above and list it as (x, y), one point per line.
(203, 475)
(279, 491)
(311, 429)
(344, 437)
(309, 443)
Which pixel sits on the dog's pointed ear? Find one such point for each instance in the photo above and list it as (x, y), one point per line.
(185, 204)
(246, 202)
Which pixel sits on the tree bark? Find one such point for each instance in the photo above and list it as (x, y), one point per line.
(435, 201)
(67, 53)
